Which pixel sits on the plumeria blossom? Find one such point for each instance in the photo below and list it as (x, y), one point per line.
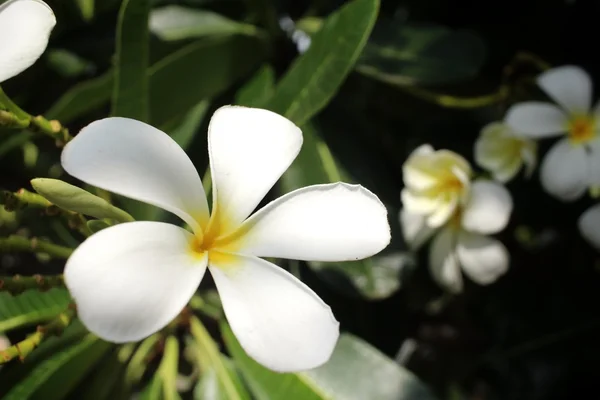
(131, 279)
(25, 27)
(573, 164)
(480, 208)
(589, 226)
(503, 153)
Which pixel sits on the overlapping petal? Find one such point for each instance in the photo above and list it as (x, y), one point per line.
(536, 120)
(130, 280)
(249, 150)
(415, 229)
(488, 209)
(565, 171)
(136, 160)
(25, 27)
(333, 222)
(278, 320)
(483, 259)
(569, 86)
(443, 262)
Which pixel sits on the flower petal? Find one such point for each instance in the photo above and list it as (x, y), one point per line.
(564, 172)
(250, 149)
(25, 27)
(589, 226)
(569, 86)
(415, 229)
(593, 153)
(483, 259)
(488, 209)
(334, 222)
(444, 212)
(536, 120)
(278, 320)
(416, 203)
(443, 263)
(132, 279)
(136, 160)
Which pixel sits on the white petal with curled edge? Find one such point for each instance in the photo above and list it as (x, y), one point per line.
(130, 280)
(589, 226)
(136, 160)
(333, 222)
(536, 120)
(278, 320)
(483, 259)
(443, 263)
(569, 86)
(564, 172)
(249, 149)
(414, 229)
(488, 209)
(25, 27)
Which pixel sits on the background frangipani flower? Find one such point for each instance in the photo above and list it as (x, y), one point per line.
(130, 280)
(502, 152)
(462, 240)
(25, 27)
(573, 164)
(589, 226)
(436, 184)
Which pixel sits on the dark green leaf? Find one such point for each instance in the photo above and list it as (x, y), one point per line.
(315, 77)
(31, 307)
(259, 89)
(130, 91)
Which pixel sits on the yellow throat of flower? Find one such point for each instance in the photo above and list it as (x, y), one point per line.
(582, 129)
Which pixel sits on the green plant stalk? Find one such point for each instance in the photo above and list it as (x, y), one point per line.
(15, 243)
(53, 328)
(448, 101)
(24, 198)
(15, 117)
(18, 284)
(139, 360)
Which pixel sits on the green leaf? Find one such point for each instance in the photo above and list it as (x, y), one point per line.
(67, 63)
(187, 128)
(96, 225)
(176, 23)
(164, 385)
(31, 307)
(86, 8)
(315, 77)
(130, 91)
(404, 54)
(356, 371)
(73, 198)
(259, 89)
(54, 377)
(209, 386)
(209, 358)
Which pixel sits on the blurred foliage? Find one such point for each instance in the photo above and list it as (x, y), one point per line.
(376, 81)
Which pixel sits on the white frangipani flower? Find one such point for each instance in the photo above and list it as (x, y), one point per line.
(502, 152)
(463, 241)
(130, 280)
(589, 226)
(436, 184)
(25, 27)
(573, 164)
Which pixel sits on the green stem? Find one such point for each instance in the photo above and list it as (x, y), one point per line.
(445, 100)
(25, 347)
(15, 117)
(18, 284)
(140, 360)
(16, 243)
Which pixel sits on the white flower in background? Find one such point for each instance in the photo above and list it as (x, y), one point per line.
(460, 241)
(502, 152)
(589, 226)
(25, 27)
(573, 164)
(436, 183)
(131, 279)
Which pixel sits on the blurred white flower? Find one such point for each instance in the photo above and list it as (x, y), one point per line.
(132, 279)
(573, 164)
(463, 241)
(436, 183)
(589, 226)
(25, 27)
(502, 152)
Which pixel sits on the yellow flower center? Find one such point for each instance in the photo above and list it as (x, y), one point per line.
(582, 129)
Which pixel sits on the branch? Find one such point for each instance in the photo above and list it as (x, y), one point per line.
(16, 243)
(18, 284)
(53, 328)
